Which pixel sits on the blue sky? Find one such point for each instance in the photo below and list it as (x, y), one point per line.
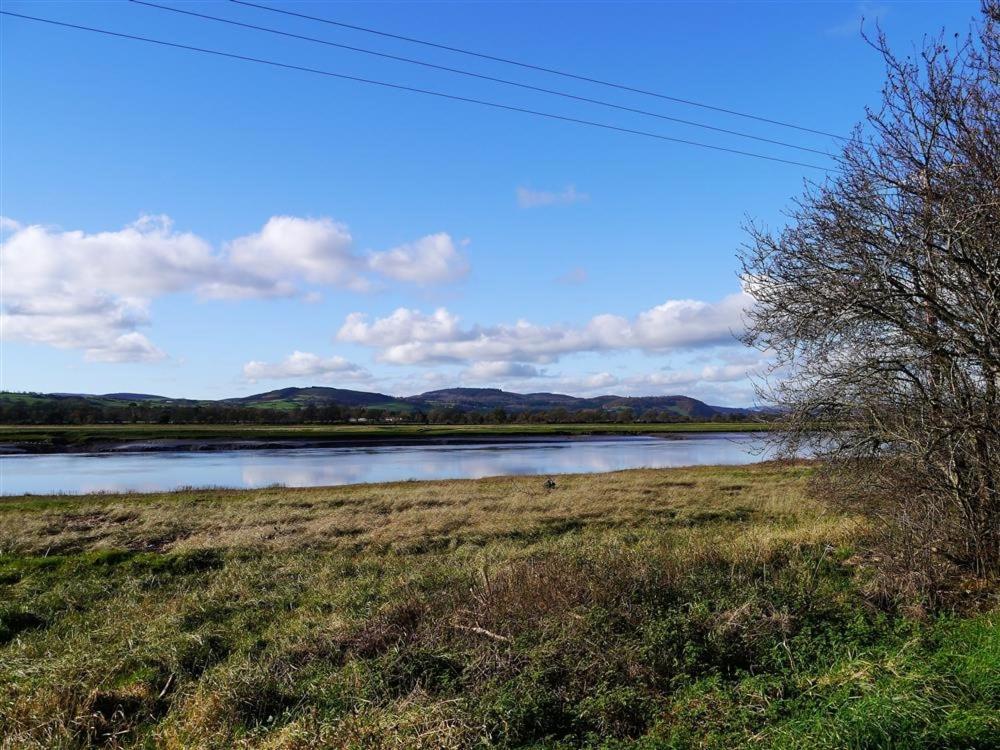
(202, 227)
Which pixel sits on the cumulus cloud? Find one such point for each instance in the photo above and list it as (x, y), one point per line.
(7, 224)
(718, 383)
(129, 347)
(529, 198)
(146, 258)
(691, 377)
(409, 337)
(289, 249)
(103, 327)
(721, 383)
(600, 380)
(430, 260)
(92, 291)
(489, 371)
(305, 365)
(74, 290)
(402, 326)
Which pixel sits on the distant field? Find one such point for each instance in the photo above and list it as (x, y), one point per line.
(74, 435)
(713, 607)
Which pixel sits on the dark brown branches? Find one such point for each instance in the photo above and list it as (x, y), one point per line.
(880, 300)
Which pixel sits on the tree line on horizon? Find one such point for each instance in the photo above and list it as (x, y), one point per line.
(79, 411)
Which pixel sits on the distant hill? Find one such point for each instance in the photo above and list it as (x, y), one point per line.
(135, 397)
(95, 399)
(683, 405)
(462, 399)
(315, 396)
(476, 399)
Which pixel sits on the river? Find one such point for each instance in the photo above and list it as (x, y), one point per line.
(311, 467)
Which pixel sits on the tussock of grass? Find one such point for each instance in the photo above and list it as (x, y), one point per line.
(710, 607)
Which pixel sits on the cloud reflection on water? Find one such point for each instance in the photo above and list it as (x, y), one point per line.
(334, 466)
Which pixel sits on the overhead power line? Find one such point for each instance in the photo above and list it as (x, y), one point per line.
(233, 22)
(413, 89)
(541, 68)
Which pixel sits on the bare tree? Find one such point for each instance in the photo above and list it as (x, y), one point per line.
(880, 301)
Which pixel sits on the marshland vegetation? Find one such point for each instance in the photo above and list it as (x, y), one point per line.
(704, 607)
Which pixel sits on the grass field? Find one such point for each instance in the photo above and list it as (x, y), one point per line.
(82, 435)
(687, 608)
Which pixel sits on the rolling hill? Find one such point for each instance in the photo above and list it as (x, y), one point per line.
(478, 399)
(462, 399)
(316, 396)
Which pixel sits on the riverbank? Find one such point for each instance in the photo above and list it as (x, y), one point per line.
(706, 607)
(147, 437)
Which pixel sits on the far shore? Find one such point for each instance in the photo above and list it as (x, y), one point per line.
(115, 438)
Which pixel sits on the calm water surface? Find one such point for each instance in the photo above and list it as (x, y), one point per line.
(311, 467)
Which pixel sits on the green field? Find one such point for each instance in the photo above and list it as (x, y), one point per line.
(690, 608)
(84, 434)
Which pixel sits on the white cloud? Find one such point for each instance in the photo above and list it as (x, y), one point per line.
(600, 380)
(715, 383)
(402, 326)
(430, 260)
(409, 337)
(726, 384)
(690, 377)
(104, 328)
(489, 371)
(529, 198)
(305, 365)
(593, 384)
(289, 249)
(7, 224)
(74, 290)
(92, 291)
(144, 259)
(129, 347)
(678, 323)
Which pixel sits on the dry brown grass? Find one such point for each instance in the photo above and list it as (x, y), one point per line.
(414, 516)
(463, 614)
